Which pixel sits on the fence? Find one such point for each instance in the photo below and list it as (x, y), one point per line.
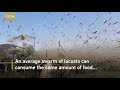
(6, 63)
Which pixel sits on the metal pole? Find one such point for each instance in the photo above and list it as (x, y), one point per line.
(34, 44)
(5, 69)
(12, 64)
(46, 54)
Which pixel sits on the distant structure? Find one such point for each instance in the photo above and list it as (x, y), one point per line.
(7, 55)
(7, 49)
(60, 55)
(24, 37)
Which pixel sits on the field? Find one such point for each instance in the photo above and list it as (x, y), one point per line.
(106, 67)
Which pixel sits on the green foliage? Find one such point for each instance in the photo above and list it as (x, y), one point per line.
(2, 55)
(27, 53)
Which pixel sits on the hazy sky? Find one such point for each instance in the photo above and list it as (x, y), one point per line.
(72, 28)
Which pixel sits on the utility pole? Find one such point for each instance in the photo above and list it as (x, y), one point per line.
(34, 43)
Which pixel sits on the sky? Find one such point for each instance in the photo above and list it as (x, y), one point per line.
(73, 29)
